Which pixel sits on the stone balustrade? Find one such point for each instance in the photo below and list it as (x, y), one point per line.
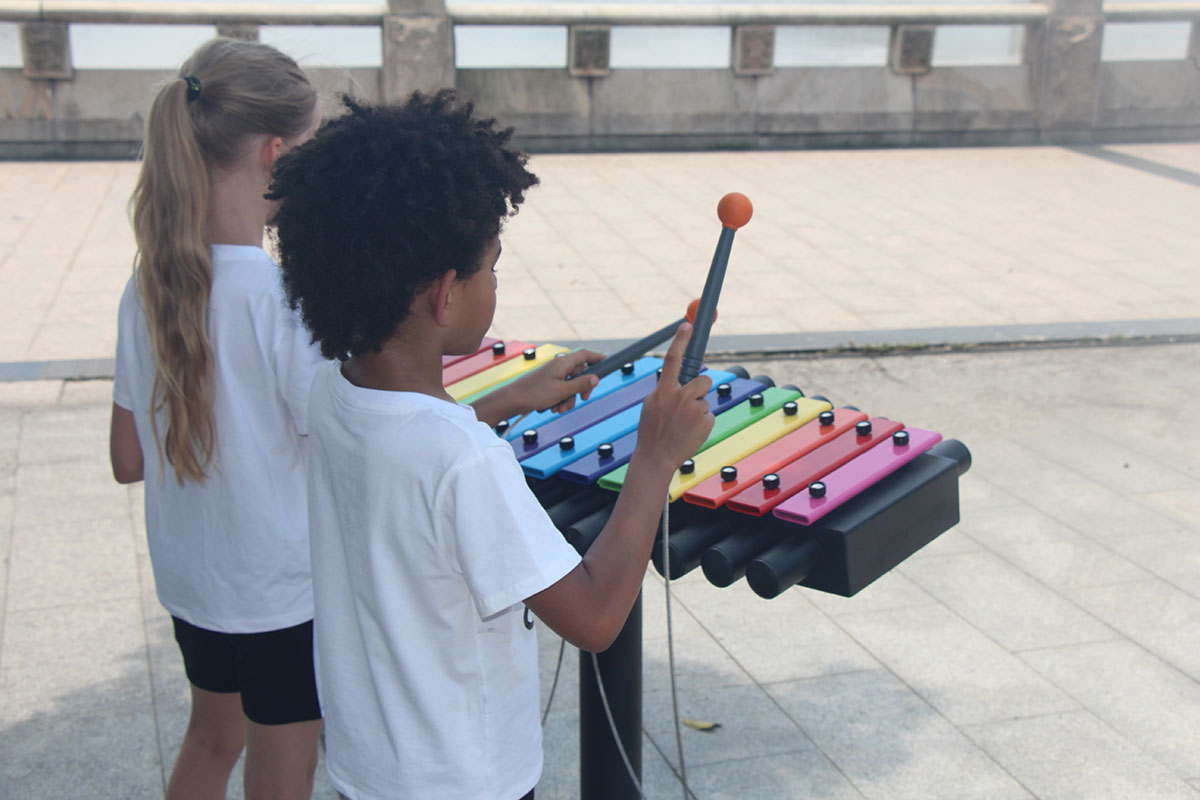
(1059, 91)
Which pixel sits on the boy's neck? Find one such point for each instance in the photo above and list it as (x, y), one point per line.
(404, 364)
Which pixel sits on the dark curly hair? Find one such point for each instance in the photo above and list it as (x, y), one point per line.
(383, 201)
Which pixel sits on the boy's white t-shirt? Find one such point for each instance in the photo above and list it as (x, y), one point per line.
(425, 540)
(231, 554)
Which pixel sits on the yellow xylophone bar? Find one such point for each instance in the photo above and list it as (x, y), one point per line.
(480, 381)
(746, 441)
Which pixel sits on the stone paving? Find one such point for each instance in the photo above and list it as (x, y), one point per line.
(612, 246)
(1046, 647)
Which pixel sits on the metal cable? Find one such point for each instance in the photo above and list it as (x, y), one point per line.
(666, 536)
(612, 726)
(562, 646)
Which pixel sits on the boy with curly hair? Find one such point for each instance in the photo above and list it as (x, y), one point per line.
(426, 540)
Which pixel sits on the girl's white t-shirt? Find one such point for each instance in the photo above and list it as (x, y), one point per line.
(426, 540)
(231, 554)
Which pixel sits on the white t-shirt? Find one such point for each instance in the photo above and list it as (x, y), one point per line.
(425, 540)
(231, 554)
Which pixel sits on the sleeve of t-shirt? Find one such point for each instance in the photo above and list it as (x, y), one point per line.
(296, 360)
(506, 546)
(125, 361)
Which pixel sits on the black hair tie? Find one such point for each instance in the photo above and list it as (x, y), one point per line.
(193, 90)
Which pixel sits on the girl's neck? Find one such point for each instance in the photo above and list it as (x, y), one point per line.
(237, 212)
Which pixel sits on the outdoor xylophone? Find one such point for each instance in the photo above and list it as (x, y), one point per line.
(787, 489)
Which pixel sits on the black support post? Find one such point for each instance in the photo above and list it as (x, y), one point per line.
(602, 773)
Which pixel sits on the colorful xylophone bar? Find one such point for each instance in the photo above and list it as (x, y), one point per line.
(786, 490)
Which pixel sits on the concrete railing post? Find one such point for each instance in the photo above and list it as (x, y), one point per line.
(1066, 70)
(588, 50)
(46, 50)
(247, 32)
(753, 50)
(418, 48)
(910, 49)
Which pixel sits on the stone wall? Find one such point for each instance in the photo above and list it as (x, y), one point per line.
(1062, 92)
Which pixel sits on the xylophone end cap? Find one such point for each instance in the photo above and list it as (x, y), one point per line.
(900, 438)
(953, 448)
(687, 467)
(739, 371)
(693, 307)
(734, 210)
(502, 427)
(816, 489)
(762, 579)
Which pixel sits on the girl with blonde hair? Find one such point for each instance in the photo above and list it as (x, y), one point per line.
(210, 410)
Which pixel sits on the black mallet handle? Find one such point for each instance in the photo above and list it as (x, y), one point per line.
(633, 351)
(734, 211)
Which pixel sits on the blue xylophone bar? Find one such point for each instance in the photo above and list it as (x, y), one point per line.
(588, 469)
(630, 372)
(534, 440)
(576, 445)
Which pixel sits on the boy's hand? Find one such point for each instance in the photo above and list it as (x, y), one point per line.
(675, 419)
(552, 386)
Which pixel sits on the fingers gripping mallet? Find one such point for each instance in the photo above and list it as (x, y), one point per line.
(734, 211)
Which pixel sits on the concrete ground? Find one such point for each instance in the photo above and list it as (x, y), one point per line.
(1048, 646)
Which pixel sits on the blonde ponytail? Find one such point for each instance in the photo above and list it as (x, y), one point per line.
(227, 91)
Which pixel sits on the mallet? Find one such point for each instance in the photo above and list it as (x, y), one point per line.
(734, 211)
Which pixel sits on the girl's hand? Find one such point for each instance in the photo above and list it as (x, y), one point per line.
(552, 386)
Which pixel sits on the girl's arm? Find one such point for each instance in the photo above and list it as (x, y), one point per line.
(124, 447)
(589, 605)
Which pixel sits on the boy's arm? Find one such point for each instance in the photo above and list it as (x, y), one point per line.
(548, 386)
(589, 605)
(124, 447)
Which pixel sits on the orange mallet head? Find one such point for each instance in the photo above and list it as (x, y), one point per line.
(691, 311)
(734, 210)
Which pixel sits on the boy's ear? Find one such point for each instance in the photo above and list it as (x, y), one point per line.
(442, 295)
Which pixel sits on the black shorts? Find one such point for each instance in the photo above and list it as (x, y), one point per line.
(273, 671)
